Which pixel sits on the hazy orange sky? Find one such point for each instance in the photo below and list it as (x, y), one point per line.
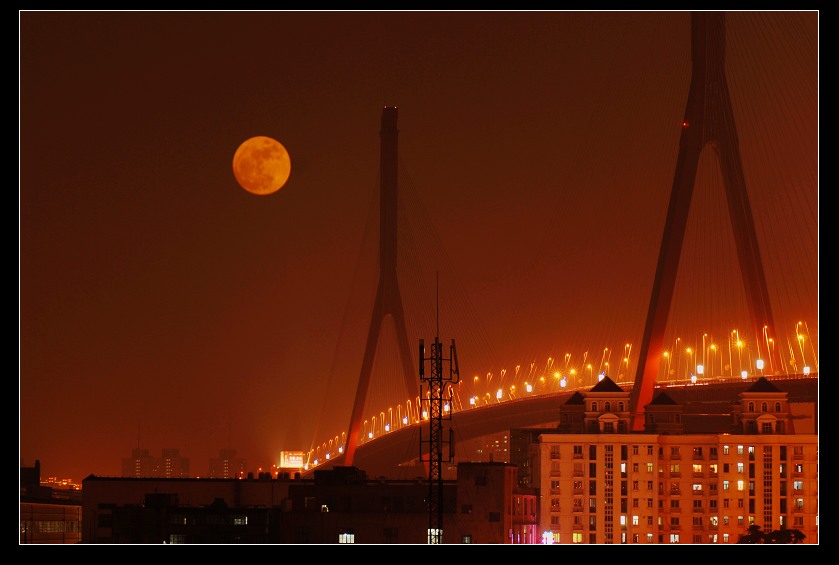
(161, 305)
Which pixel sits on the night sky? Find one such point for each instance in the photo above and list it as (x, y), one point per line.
(161, 305)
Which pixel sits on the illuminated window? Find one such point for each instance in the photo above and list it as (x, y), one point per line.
(674, 538)
(466, 539)
(740, 467)
(739, 450)
(346, 537)
(697, 468)
(577, 537)
(635, 520)
(725, 450)
(697, 487)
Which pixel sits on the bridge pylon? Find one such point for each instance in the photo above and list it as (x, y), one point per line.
(388, 298)
(708, 121)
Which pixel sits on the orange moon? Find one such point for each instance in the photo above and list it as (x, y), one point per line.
(261, 165)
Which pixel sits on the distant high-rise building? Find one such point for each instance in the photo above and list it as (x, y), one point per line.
(142, 464)
(227, 465)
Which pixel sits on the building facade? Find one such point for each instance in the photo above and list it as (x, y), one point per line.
(341, 505)
(687, 478)
(48, 515)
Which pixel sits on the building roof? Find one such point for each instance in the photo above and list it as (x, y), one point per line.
(576, 398)
(606, 385)
(663, 399)
(763, 385)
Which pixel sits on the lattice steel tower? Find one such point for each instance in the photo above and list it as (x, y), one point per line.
(708, 121)
(438, 403)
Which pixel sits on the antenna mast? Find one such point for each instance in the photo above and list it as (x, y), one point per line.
(437, 403)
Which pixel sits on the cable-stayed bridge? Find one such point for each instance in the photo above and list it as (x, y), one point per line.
(747, 307)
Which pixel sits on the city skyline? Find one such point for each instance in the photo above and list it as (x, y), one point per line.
(162, 306)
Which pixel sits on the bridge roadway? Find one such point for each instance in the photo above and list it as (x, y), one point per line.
(395, 455)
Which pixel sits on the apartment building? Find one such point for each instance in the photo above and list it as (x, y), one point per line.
(689, 478)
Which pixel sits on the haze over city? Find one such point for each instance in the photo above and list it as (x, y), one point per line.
(161, 305)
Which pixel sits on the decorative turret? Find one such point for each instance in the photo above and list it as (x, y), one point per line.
(664, 416)
(607, 409)
(763, 409)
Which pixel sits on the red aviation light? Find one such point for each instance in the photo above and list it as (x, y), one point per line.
(685, 124)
